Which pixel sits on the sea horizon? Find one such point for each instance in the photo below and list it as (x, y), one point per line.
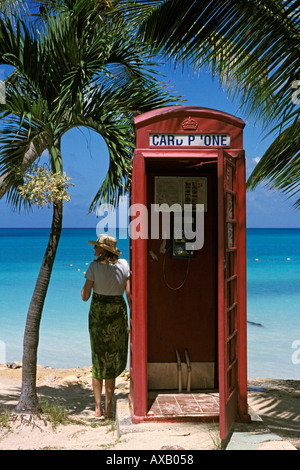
(273, 297)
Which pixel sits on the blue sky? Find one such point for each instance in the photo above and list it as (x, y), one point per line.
(86, 162)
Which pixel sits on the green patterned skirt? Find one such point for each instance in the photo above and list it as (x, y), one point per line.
(108, 328)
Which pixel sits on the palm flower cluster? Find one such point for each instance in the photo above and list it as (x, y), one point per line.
(43, 187)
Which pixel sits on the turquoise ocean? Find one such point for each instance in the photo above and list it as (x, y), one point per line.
(273, 298)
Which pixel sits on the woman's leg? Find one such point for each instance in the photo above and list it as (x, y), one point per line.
(97, 388)
(109, 397)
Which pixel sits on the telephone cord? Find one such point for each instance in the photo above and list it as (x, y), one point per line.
(164, 274)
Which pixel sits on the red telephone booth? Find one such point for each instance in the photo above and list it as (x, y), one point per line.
(188, 317)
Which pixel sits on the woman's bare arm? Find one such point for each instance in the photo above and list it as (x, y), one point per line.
(87, 290)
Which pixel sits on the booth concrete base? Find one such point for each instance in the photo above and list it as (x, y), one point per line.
(183, 406)
(189, 435)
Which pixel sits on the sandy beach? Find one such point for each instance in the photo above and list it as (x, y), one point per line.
(275, 401)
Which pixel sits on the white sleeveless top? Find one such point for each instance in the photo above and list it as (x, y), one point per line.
(109, 279)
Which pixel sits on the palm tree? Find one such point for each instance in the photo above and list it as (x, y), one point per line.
(80, 68)
(253, 47)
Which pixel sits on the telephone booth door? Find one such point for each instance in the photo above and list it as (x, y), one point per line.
(177, 148)
(232, 294)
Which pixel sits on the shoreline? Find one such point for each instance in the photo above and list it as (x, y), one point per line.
(276, 401)
(63, 369)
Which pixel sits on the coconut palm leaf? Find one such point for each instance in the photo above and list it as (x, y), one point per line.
(12, 8)
(241, 41)
(76, 69)
(254, 49)
(110, 111)
(281, 164)
(25, 133)
(17, 140)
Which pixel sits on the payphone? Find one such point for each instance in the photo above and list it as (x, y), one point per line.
(189, 285)
(181, 192)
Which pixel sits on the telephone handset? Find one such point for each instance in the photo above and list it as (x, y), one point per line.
(179, 249)
(179, 242)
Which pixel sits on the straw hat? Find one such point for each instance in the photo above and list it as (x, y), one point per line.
(107, 242)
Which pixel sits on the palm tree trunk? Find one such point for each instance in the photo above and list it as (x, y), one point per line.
(37, 146)
(28, 401)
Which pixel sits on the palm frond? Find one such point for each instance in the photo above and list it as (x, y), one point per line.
(252, 46)
(21, 144)
(87, 72)
(13, 8)
(110, 111)
(280, 164)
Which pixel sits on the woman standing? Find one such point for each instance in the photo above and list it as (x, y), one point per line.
(108, 278)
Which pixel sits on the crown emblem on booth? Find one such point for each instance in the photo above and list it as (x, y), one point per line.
(189, 124)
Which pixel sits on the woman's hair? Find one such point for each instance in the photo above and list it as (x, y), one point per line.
(107, 257)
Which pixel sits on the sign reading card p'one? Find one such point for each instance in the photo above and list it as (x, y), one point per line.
(189, 140)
